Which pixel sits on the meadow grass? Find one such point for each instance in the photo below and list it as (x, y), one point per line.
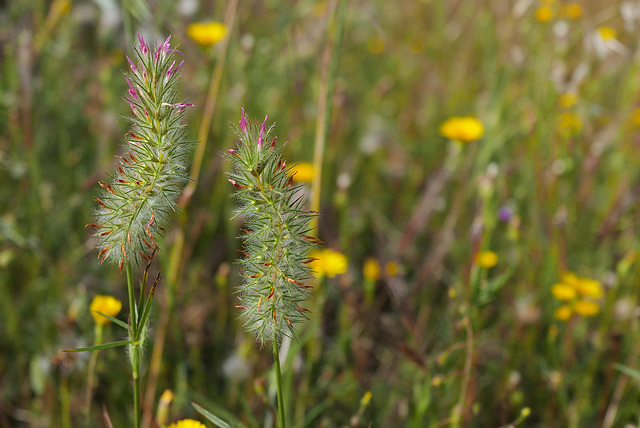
(457, 318)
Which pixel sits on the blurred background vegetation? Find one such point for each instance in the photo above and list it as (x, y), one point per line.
(456, 304)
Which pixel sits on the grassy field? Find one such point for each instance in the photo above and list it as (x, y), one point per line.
(474, 273)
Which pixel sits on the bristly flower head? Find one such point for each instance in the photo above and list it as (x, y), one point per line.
(275, 263)
(150, 175)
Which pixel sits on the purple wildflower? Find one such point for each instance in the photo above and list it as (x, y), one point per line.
(263, 129)
(133, 66)
(143, 45)
(505, 213)
(132, 92)
(243, 122)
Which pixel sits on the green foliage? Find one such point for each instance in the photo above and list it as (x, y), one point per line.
(392, 190)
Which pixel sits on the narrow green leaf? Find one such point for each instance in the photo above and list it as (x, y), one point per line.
(633, 373)
(211, 417)
(147, 308)
(115, 321)
(99, 347)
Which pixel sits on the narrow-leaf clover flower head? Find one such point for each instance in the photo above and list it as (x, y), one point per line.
(107, 305)
(142, 192)
(277, 235)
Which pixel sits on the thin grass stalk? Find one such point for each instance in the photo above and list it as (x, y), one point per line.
(91, 373)
(175, 258)
(329, 71)
(331, 56)
(135, 348)
(65, 401)
(209, 107)
(276, 362)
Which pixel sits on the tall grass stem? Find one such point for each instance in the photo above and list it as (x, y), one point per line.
(276, 362)
(329, 71)
(135, 346)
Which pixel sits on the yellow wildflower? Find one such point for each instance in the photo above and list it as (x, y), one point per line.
(207, 33)
(567, 100)
(463, 129)
(589, 288)
(371, 270)
(563, 313)
(303, 172)
(486, 259)
(569, 278)
(187, 423)
(607, 33)
(571, 11)
(544, 14)
(107, 305)
(573, 289)
(635, 117)
(376, 44)
(392, 268)
(569, 124)
(586, 308)
(328, 262)
(563, 292)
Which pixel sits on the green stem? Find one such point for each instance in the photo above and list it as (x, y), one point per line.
(276, 362)
(65, 400)
(134, 347)
(135, 368)
(91, 374)
(329, 71)
(133, 309)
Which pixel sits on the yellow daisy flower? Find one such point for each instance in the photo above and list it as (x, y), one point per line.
(371, 270)
(328, 262)
(187, 423)
(107, 305)
(571, 11)
(567, 100)
(463, 129)
(563, 313)
(486, 259)
(544, 14)
(586, 308)
(563, 292)
(589, 288)
(303, 172)
(207, 33)
(607, 33)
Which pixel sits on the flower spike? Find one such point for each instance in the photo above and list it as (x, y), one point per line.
(142, 194)
(274, 267)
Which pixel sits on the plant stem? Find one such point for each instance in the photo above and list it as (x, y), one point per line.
(91, 373)
(329, 71)
(134, 347)
(65, 400)
(276, 362)
(135, 368)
